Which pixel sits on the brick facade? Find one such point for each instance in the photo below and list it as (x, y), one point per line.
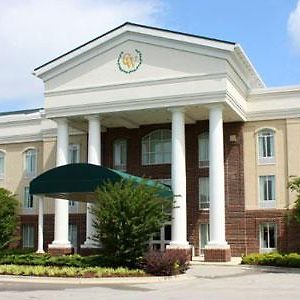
(242, 227)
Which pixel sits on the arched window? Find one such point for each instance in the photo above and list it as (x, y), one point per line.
(2, 164)
(203, 149)
(30, 163)
(156, 147)
(120, 154)
(266, 148)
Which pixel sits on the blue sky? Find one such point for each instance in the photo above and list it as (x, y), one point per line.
(268, 30)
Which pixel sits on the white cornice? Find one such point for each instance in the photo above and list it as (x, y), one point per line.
(137, 104)
(285, 91)
(273, 114)
(137, 83)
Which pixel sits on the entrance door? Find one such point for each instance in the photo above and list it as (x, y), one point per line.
(73, 236)
(203, 237)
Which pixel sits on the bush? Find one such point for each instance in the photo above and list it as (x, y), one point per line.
(8, 217)
(273, 259)
(171, 262)
(68, 271)
(126, 215)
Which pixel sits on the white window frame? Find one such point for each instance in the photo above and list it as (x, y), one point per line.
(3, 157)
(147, 154)
(203, 204)
(28, 203)
(28, 236)
(74, 147)
(262, 136)
(203, 138)
(73, 206)
(33, 153)
(267, 203)
(267, 249)
(118, 146)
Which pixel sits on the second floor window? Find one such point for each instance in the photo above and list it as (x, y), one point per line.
(156, 147)
(2, 164)
(203, 149)
(74, 153)
(267, 191)
(30, 163)
(120, 154)
(266, 151)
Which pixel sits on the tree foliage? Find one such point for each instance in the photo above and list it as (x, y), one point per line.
(8, 217)
(125, 217)
(294, 186)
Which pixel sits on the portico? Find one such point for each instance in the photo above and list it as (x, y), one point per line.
(134, 77)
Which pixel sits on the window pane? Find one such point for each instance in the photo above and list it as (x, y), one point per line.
(272, 236)
(204, 192)
(266, 143)
(28, 236)
(203, 147)
(156, 147)
(30, 162)
(120, 154)
(168, 233)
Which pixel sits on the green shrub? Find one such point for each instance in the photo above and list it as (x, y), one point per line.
(126, 215)
(172, 262)
(68, 271)
(273, 259)
(8, 217)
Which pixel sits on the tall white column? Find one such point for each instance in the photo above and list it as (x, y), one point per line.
(216, 179)
(94, 157)
(41, 226)
(178, 172)
(61, 224)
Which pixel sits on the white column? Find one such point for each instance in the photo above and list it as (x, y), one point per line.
(94, 157)
(178, 172)
(216, 179)
(41, 226)
(61, 224)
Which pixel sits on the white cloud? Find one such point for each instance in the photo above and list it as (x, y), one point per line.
(34, 31)
(294, 27)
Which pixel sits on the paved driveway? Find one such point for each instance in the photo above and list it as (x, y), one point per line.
(203, 282)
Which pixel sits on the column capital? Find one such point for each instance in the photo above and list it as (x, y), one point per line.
(93, 117)
(62, 120)
(177, 109)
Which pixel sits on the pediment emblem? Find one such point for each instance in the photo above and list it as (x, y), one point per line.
(129, 61)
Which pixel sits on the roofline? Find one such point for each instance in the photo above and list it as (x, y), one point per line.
(137, 25)
(19, 112)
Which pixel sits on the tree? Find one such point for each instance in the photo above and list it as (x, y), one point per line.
(126, 214)
(8, 217)
(294, 186)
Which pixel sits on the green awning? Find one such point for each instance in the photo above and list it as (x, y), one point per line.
(78, 182)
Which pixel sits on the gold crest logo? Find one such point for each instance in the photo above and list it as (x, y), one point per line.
(129, 62)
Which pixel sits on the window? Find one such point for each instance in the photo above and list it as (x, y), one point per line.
(266, 151)
(30, 163)
(268, 237)
(28, 236)
(267, 191)
(2, 162)
(203, 150)
(28, 199)
(204, 236)
(156, 147)
(74, 154)
(73, 236)
(203, 192)
(120, 155)
(73, 206)
(162, 238)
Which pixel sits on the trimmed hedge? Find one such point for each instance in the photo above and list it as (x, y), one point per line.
(33, 259)
(69, 271)
(291, 260)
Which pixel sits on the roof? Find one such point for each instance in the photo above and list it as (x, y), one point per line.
(137, 25)
(21, 112)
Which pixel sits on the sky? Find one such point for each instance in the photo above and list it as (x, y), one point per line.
(33, 32)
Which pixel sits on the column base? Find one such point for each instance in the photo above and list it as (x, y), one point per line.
(40, 252)
(60, 249)
(217, 254)
(184, 248)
